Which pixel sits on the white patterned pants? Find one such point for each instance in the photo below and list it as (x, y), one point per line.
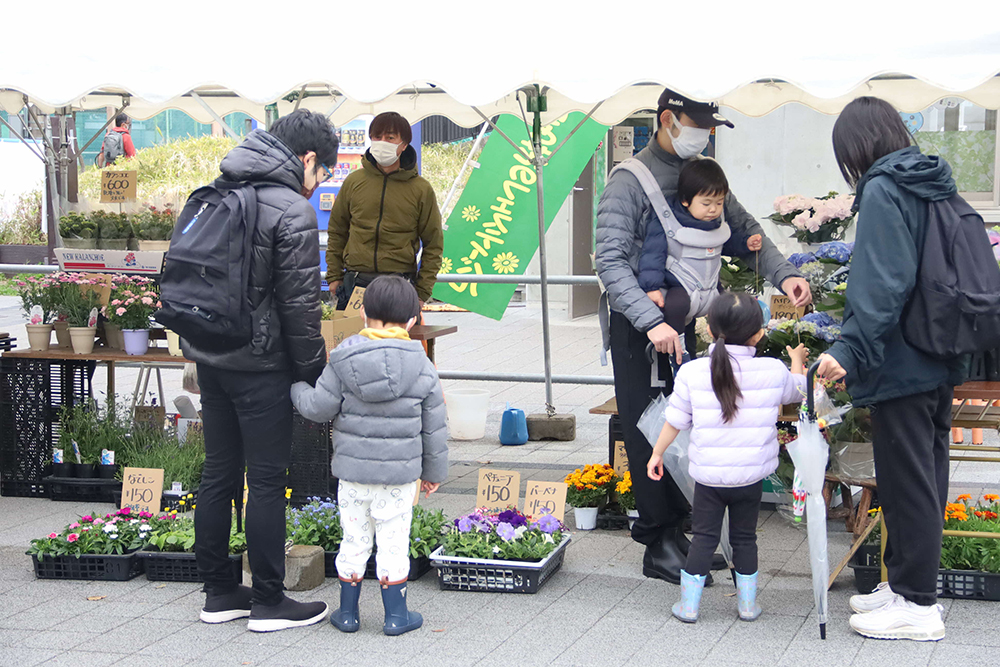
(373, 514)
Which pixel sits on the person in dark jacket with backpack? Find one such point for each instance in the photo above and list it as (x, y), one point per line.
(245, 392)
(909, 391)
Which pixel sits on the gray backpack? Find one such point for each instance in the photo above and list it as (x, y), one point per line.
(114, 147)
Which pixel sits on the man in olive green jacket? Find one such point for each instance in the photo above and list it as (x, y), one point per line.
(385, 213)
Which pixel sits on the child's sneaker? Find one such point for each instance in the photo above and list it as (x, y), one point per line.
(878, 598)
(901, 619)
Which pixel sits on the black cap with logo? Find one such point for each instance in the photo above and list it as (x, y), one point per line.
(705, 114)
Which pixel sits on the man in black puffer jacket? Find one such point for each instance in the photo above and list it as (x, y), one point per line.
(245, 393)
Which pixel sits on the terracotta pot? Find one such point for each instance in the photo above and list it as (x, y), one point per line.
(83, 339)
(62, 334)
(39, 336)
(113, 334)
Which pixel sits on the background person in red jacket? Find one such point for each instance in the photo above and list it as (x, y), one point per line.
(117, 142)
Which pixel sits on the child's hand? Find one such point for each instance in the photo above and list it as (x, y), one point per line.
(655, 467)
(755, 243)
(429, 488)
(656, 297)
(798, 355)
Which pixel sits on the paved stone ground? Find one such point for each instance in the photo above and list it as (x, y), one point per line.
(597, 610)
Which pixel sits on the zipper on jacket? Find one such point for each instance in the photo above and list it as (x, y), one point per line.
(378, 225)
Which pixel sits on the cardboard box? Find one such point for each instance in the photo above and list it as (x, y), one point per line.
(148, 262)
(340, 327)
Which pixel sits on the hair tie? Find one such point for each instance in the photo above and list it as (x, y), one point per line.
(721, 338)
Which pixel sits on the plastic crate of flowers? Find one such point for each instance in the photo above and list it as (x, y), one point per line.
(500, 551)
(95, 547)
(169, 553)
(318, 524)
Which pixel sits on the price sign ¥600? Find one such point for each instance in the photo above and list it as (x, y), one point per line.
(118, 186)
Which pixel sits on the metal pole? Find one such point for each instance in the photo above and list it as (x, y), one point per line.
(23, 140)
(539, 161)
(461, 172)
(500, 279)
(217, 117)
(100, 132)
(526, 377)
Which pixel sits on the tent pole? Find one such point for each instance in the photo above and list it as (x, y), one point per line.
(100, 132)
(218, 119)
(461, 172)
(539, 160)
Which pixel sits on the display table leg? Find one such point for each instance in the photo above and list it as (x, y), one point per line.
(111, 381)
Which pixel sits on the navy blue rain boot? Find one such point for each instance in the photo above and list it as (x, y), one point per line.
(348, 617)
(398, 619)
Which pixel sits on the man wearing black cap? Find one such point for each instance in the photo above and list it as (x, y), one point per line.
(683, 129)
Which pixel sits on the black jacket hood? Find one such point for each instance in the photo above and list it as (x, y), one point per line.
(262, 157)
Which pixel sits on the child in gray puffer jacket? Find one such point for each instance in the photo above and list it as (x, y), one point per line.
(385, 399)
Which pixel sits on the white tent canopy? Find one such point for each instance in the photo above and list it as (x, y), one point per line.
(446, 57)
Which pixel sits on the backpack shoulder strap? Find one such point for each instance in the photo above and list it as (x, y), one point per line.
(651, 189)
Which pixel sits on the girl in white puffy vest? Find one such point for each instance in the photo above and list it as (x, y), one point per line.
(730, 402)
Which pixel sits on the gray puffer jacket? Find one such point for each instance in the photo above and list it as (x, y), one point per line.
(284, 269)
(622, 216)
(385, 399)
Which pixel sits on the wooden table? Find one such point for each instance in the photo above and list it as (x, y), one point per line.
(154, 355)
(428, 333)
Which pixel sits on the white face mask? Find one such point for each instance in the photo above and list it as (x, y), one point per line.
(384, 152)
(690, 142)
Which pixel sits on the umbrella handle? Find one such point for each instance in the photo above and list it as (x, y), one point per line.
(810, 401)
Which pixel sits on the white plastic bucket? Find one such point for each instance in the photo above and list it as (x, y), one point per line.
(467, 410)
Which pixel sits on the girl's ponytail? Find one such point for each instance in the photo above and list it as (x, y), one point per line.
(735, 316)
(724, 380)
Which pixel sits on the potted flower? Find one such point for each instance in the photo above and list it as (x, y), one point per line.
(169, 553)
(130, 308)
(153, 227)
(78, 231)
(79, 307)
(36, 301)
(815, 220)
(587, 491)
(93, 547)
(59, 284)
(500, 551)
(626, 498)
(113, 230)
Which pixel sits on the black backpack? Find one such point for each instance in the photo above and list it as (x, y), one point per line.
(955, 305)
(206, 275)
(114, 147)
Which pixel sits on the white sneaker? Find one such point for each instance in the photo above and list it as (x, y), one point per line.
(878, 598)
(901, 619)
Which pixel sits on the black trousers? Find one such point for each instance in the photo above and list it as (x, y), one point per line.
(247, 417)
(661, 504)
(710, 503)
(910, 441)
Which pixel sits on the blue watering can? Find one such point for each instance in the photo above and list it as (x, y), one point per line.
(513, 427)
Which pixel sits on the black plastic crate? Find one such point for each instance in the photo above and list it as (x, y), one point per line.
(32, 392)
(92, 567)
(181, 566)
(90, 489)
(309, 467)
(957, 584)
(418, 566)
(985, 366)
(473, 574)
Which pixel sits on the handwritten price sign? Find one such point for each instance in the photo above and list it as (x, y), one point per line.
(782, 308)
(621, 459)
(141, 489)
(545, 496)
(498, 488)
(356, 301)
(118, 186)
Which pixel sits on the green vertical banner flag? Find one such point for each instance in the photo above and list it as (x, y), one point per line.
(493, 228)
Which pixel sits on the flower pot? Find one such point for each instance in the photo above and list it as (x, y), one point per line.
(136, 341)
(107, 471)
(133, 243)
(174, 344)
(113, 336)
(112, 244)
(83, 339)
(467, 409)
(62, 470)
(162, 246)
(39, 336)
(586, 517)
(62, 334)
(632, 516)
(80, 244)
(85, 470)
